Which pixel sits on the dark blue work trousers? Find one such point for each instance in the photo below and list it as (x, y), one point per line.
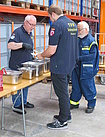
(60, 84)
(85, 87)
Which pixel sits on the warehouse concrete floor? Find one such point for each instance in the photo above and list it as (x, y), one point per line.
(82, 125)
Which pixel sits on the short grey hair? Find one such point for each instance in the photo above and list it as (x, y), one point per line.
(29, 16)
(85, 25)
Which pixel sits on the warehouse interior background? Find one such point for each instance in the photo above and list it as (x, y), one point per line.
(12, 14)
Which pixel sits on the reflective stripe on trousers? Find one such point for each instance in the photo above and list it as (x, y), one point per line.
(74, 103)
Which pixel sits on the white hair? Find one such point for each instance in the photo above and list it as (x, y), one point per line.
(85, 25)
(30, 16)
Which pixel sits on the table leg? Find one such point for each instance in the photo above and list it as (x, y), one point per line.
(2, 124)
(51, 90)
(23, 112)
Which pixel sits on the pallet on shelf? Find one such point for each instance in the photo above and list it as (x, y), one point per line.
(6, 2)
(77, 14)
(27, 5)
(21, 4)
(65, 11)
(86, 15)
(24, 5)
(13, 3)
(45, 8)
(74, 13)
(38, 7)
(93, 17)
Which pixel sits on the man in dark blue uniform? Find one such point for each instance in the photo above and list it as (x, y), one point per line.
(21, 46)
(86, 68)
(62, 52)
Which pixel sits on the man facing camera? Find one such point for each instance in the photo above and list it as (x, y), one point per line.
(86, 68)
(21, 46)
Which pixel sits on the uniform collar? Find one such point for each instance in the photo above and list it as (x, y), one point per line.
(83, 37)
(25, 30)
(61, 17)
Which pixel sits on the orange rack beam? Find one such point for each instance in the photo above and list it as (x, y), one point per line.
(82, 18)
(18, 10)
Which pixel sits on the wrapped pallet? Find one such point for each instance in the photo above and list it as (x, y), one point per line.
(95, 8)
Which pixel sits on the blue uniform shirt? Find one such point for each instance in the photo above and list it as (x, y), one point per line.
(63, 33)
(20, 55)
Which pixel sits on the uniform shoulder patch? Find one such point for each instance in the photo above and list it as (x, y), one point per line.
(52, 28)
(12, 36)
(52, 32)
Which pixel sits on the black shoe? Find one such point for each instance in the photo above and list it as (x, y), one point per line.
(89, 109)
(74, 106)
(18, 109)
(56, 117)
(28, 105)
(57, 125)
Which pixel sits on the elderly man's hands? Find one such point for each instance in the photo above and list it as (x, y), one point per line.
(39, 56)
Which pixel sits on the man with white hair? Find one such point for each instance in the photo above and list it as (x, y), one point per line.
(86, 68)
(21, 45)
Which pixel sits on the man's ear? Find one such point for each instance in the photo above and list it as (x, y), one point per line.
(53, 14)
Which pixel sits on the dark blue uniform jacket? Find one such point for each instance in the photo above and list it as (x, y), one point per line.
(88, 57)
